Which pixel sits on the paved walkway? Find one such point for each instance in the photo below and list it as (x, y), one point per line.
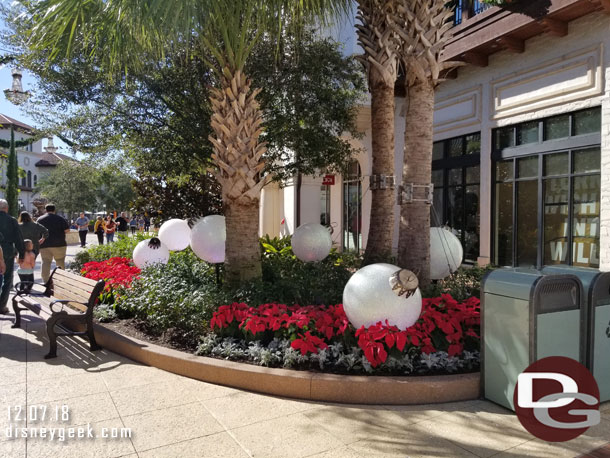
(173, 416)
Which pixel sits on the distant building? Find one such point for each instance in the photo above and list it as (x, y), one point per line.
(33, 159)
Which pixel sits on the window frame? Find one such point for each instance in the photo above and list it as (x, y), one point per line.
(540, 150)
(462, 162)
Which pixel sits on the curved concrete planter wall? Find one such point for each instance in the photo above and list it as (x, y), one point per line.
(296, 384)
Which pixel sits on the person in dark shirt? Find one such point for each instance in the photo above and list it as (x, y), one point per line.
(54, 247)
(122, 225)
(11, 240)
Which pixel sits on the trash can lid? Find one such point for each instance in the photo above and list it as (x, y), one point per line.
(596, 284)
(512, 282)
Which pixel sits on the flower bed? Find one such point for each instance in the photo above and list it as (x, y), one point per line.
(117, 272)
(445, 338)
(177, 303)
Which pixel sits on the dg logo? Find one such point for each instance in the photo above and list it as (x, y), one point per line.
(557, 399)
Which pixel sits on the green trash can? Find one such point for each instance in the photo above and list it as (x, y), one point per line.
(596, 289)
(526, 316)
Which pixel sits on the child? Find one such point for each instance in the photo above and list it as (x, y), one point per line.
(26, 266)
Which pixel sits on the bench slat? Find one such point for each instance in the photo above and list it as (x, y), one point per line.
(76, 280)
(63, 294)
(73, 289)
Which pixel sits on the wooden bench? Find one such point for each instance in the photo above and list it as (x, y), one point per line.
(67, 299)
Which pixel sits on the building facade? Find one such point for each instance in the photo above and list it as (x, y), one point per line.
(521, 162)
(33, 160)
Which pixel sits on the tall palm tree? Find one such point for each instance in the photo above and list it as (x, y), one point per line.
(380, 60)
(115, 33)
(423, 28)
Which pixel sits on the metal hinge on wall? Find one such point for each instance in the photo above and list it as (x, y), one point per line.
(382, 182)
(411, 192)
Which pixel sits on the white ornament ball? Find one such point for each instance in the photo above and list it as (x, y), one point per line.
(208, 238)
(311, 242)
(368, 298)
(149, 252)
(446, 253)
(175, 234)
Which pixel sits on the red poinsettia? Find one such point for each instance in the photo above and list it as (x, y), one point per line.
(445, 324)
(308, 343)
(116, 272)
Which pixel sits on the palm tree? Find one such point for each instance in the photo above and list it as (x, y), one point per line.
(423, 28)
(115, 33)
(380, 60)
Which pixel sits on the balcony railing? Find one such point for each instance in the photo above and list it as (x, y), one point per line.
(468, 8)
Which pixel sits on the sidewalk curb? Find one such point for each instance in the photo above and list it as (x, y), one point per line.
(306, 385)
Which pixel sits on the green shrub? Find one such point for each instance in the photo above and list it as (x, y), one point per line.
(122, 247)
(287, 280)
(464, 283)
(180, 296)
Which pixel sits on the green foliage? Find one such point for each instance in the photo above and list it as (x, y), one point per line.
(68, 186)
(104, 313)
(180, 296)
(464, 283)
(310, 93)
(288, 280)
(123, 247)
(76, 186)
(114, 189)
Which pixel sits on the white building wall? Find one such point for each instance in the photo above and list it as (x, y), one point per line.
(554, 75)
(26, 160)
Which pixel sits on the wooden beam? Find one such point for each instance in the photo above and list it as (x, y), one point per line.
(606, 6)
(476, 58)
(555, 27)
(512, 44)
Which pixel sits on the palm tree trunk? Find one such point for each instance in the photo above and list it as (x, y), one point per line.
(242, 252)
(238, 153)
(381, 228)
(414, 236)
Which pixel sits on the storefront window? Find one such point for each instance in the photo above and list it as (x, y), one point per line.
(456, 180)
(352, 209)
(551, 199)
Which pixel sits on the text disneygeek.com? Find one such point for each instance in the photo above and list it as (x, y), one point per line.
(25, 422)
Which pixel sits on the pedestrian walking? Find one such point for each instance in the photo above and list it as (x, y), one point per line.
(146, 224)
(82, 222)
(33, 231)
(122, 225)
(54, 247)
(110, 229)
(11, 239)
(26, 267)
(99, 228)
(133, 225)
(140, 223)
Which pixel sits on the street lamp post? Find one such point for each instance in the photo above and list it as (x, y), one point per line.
(17, 96)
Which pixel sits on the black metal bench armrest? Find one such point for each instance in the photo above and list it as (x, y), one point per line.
(63, 302)
(20, 289)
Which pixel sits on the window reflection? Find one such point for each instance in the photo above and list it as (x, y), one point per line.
(556, 222)
(586, 221)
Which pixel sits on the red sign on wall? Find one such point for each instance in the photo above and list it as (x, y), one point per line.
(328, 180)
